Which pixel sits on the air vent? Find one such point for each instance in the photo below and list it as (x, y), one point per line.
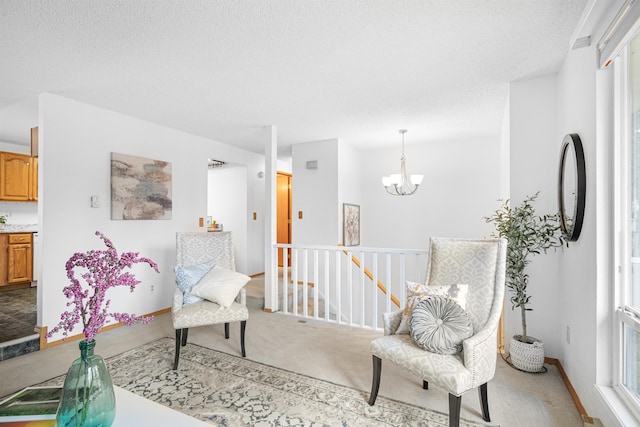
(213, 163)
(582, 42)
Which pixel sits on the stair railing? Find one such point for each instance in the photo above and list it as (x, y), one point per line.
(322, 285)
(367, 273)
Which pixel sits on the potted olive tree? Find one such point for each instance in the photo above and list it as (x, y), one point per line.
(527, 234)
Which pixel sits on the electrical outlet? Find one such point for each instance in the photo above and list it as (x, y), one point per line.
(152, 287)
(568, 334)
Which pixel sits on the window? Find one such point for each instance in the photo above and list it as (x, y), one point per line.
(628, 315)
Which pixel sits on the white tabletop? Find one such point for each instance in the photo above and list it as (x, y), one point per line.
(133, 410)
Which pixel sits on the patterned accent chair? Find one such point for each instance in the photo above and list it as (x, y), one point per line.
(196, 248)
(480, 264)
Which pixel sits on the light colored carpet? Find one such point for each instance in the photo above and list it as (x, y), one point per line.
(228, 390)
(335, 353)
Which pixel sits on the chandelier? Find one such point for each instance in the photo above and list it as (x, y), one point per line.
(398, 184)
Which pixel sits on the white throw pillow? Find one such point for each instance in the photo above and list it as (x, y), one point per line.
(220, 285)
(417, 292)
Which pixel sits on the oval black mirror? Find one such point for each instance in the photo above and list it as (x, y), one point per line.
(572, 187)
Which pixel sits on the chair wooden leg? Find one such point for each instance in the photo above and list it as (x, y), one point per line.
(454, 410)
(425, 385)
(185, 333)
(226, 330)
(375, 385)
(243, 326)
(178, 341)
(484, 402)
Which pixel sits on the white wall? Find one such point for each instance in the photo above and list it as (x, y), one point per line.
(284, 166)
(20, 212)
(76, 140)
(461, 186)
(315, 193)
(585, 106)
(15, 148)
(256, 191)
(562, 284)
(349, 183)
(579, 293)
(535, 150)
(226, 204)
(579, 264)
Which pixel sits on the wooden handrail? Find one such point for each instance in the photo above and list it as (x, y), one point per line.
(382, 287)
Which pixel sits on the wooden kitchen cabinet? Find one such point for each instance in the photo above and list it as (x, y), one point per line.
(20, 258)
(18, 177)
(16, 258)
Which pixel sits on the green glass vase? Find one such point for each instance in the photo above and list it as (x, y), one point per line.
(87, 395)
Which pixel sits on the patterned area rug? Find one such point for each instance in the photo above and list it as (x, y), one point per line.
(228, 390)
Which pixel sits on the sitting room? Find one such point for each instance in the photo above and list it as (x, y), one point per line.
(325, 155)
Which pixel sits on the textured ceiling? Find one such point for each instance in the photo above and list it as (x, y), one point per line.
(358, 70)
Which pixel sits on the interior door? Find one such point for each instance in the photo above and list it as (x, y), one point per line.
(283, 213)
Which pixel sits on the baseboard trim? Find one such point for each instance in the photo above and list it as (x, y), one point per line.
(585, 417)
(44, 342)
(16, 286)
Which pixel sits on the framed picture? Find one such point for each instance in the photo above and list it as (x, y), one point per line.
(350, 224)
(140, 188)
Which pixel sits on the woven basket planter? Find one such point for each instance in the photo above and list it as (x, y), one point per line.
(527, 356)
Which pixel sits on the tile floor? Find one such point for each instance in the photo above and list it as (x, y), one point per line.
(17, 321)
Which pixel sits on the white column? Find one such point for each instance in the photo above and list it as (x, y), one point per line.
(270, 255)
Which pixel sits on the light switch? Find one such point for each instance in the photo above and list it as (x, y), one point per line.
(299, 214)
(255, 216)
(94, 202)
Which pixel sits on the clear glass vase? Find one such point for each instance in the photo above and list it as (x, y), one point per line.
(87, 396)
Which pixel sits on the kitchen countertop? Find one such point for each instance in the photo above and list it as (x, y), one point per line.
(20, 228)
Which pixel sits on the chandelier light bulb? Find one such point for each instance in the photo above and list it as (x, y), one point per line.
(417, 179)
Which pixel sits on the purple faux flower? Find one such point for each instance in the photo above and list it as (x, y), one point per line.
(101, 270)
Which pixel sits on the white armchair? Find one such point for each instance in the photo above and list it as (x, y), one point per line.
(481, 265)
(197, 248)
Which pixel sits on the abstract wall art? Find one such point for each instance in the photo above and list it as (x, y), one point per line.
(140, 188)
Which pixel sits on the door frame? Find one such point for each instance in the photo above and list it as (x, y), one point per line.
(280, 213)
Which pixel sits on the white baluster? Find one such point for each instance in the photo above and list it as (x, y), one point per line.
(305, 284)
(316, 284)
(374, 299)
(327, 286)
(294, 264)
(338, 289)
